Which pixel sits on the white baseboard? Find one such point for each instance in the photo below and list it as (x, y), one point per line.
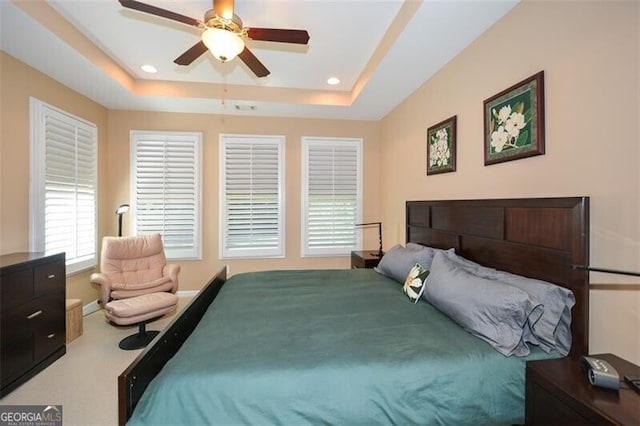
(187, 293)
(92, 307)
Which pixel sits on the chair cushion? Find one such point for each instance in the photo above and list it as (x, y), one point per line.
(136, 310)
(127, 292)
(133, 260)
(138, 305)
(140, 286)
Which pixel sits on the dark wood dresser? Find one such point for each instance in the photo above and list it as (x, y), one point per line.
(32, 315)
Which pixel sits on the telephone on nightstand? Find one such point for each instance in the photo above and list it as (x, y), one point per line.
(600, 373)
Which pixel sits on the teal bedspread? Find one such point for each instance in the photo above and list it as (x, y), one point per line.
(340, 347)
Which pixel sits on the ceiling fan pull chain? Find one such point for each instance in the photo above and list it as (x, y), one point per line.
(224, 82)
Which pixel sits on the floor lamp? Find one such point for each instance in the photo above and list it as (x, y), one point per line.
(122, 209)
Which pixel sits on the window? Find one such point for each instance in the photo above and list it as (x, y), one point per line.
(166, 190)
(63, 187)
(331, 195)
(251, 196)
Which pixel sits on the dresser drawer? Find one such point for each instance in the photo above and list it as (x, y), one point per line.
(50, 335)
(21, 285)
(548, 409)
(16, 288)
(32, 316)
(48, 277)
(31, 332)
(16, 357)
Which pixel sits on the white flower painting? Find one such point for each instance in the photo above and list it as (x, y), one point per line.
(440, 151)
(509, 126)
(514, 121)
(441, 147)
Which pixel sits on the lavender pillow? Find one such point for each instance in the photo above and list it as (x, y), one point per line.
(398, 261)
(494, 311)
(552, 331)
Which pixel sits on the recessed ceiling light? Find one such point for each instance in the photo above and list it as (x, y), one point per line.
(333, 81)
(149, 68)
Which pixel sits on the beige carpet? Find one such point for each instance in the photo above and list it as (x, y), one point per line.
(85, 380)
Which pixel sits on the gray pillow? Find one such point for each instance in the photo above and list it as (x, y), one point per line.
(414, 246)
(432, 250)
(398, 261)
(470, 266)
(494, 311)
(553, 330)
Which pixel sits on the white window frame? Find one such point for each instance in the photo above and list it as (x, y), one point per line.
(173, 251)
(330, 250)
(39, 112)
(278, 251)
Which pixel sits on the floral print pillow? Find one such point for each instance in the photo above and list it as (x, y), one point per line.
(415, 282)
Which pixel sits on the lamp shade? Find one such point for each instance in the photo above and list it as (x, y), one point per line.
(122, 209)
(223, 44)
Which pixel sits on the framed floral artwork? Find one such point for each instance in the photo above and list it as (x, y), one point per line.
(514, 122)
(441, 147)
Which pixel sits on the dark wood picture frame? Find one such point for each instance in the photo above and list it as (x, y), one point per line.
(441, 147)
(514, 122)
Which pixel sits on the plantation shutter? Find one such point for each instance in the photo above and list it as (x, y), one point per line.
(166, 190)
(252, 214)
(64, 186)
(331, 195)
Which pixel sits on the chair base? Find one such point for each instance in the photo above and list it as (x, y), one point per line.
(139, 340)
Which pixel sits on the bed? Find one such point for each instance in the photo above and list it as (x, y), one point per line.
(411, 365)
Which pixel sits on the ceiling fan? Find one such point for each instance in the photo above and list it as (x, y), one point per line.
(223, 34)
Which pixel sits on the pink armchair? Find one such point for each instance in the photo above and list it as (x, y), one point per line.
(133, 266)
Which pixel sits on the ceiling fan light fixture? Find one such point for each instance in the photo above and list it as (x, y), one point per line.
(223, 44)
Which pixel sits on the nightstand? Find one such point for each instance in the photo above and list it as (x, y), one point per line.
(364, 259)
(558, 392)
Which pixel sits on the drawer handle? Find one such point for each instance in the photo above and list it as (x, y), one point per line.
(51, 276)
(51, 335)
(35, 314)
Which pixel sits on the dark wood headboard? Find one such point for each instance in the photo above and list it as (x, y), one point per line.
(536, 237)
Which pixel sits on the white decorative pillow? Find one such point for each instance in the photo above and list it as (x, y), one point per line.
(414, 283)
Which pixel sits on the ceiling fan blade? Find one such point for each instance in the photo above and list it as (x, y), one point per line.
(163, 13)
(253, 63)
(275, 34)
(192, 54)
(223, 8)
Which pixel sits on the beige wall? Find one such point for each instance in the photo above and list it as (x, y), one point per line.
(589, 52)
(196, 273)
(18, 82)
